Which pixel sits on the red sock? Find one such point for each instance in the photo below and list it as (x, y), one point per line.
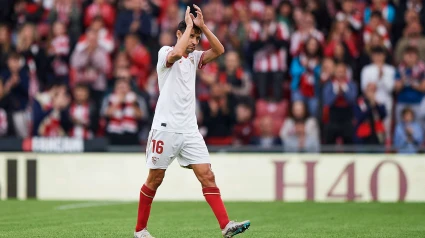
(213, 197)
(145, 201)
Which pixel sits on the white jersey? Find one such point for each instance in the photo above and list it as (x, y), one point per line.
(175, 110)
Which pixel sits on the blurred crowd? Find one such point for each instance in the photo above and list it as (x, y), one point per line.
(296, 73)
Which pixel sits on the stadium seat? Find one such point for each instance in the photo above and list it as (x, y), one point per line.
(277, 110)
(277, 124)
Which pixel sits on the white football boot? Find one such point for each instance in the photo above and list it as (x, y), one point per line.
(233, 228)
(143, 234)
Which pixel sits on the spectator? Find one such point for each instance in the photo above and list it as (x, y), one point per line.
(267, 138)
(92, 65)
(300, 132)
(134, 20)
(306, 29)
(49, 114)
(100, 8)
(58, 53)
(339, 96)
(350, 14)
(6, 110)
(284, 14)
(370, 114)
(327, 70)
(269, 40)
(121, 63)
(83, 114)
(243, 130)
(383, 75)
(320, 13)
(376, 25)
(207, 77)
(405, 10)
(124, 111)
(400, 27)
(105, 38)
(417, 6)
(26, 12)
(34, 57)
(384, 8)
(69, 13)
(231, 32)
(412, 37)
(305, 72)
(233, 78)
(365, 57)
(140, 60)
(408, 135)
(410, 82)
(172, 15)
(16, 84)
(342, 36)
(5, 46)
(218, 117)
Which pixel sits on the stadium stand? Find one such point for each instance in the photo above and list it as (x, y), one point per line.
(355, 68)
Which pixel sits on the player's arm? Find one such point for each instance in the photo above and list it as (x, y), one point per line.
(217, 48)
(180, 48)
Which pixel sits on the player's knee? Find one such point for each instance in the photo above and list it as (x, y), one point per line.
(207, 179)
(154, 182)
(155, 179)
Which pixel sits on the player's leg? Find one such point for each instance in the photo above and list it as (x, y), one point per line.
(147, 194)
(211, 192)
(160, 152)
(194, 154)
(212, 195)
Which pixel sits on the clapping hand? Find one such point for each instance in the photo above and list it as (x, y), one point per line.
(199, 20)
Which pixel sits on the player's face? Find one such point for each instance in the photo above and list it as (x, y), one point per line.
(194, 39)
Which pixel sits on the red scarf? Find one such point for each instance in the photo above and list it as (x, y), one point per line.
(80, 113)
(364, 129)
(63, 10)
(340, 99)
(123, 120)
(307, 80)
(50, 126)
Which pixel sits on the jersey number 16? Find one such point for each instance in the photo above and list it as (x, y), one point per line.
(157, 146)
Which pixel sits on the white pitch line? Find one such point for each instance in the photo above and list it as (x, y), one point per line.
(87, 205)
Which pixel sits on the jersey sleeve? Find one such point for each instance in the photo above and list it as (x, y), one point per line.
(199, 56)
(162, 57)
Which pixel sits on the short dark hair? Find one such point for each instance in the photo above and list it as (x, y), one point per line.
(407, 110)
(182, 27)
(378, 50)
(13, 55)
(132, 36)
(376, 14)
(411, 49)
(81, 86)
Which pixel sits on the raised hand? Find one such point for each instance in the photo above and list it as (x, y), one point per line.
(188, 18)
(199, 20)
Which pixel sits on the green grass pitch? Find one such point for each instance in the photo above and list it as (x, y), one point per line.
(47, 219)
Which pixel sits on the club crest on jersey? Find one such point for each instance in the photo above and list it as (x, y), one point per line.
(154, 159)
(192, 60)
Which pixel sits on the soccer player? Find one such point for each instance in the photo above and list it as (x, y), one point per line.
(174, 132)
